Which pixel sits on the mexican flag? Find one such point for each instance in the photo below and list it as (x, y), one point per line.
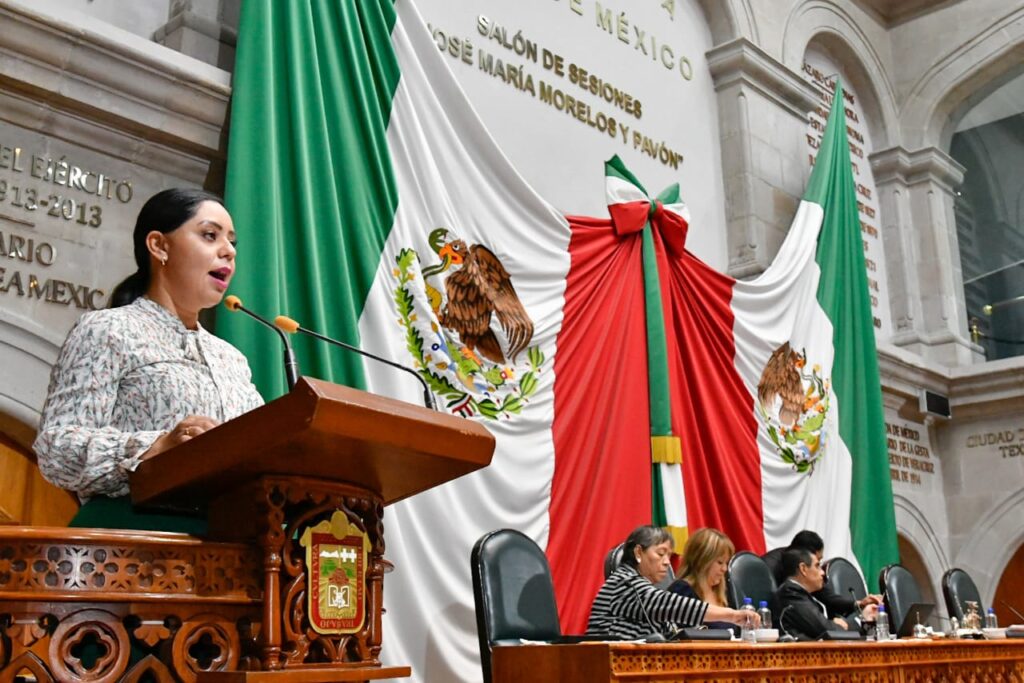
(372, 205)
(773, 386)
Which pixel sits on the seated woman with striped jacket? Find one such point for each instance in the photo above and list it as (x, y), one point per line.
(630, 605)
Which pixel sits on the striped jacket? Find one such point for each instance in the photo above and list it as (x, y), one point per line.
(629, 606)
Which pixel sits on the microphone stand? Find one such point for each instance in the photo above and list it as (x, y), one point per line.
(291, 366)
(786, 637)
(656, 635)
(286, 323)
(856, 606)
(1010, 607)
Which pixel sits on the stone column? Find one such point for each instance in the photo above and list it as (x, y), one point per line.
(204, 29)
(762, 109)
(916, 191)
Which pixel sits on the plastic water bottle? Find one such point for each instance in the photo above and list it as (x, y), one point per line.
(747, 632)
(881, 624)
(765, 614)
(990, 619)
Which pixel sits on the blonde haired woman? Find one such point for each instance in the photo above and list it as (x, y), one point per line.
(705, 560)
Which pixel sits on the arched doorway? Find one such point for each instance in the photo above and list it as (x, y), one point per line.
(988, 143)
(1010, 590)
(913, 561)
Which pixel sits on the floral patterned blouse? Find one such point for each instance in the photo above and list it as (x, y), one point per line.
(124, 377)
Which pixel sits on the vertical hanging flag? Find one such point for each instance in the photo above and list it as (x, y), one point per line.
(773, 382)
(781, 417)
(844, 296)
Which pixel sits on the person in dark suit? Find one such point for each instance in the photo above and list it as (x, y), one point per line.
(837, 605)
(800, 613)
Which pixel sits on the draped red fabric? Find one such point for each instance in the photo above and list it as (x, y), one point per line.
(602, 482)
(601, 430)
(712, 410)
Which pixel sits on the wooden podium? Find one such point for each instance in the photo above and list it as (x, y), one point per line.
(271, 474)
(118, 606)
(305, 476)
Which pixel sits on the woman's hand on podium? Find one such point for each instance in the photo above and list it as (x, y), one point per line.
(189, 428)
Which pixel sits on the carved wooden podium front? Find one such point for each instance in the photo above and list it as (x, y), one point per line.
(311, 470)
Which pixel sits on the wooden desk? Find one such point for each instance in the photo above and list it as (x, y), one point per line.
(896, 661)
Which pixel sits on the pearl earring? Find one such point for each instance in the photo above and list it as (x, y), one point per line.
(163, 261)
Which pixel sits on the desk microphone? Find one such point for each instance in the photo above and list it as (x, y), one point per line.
(291, 366)
(785, 637)
(286, 324)
(856, 605)
(1010, 607)
(655, 635)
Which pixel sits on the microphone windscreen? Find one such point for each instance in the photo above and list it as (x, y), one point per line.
(287, 324)
(232, 302)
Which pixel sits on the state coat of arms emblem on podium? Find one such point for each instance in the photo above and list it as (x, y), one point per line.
(336, 556)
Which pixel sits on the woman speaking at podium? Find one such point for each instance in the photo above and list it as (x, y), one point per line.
(143, 376)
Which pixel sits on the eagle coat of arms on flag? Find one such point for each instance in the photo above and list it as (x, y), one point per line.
(448, 308)
(794, 407)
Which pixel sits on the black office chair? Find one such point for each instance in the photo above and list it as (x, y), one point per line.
(900, 590)
(844, 577)
(614, 558)
(958, 588)
(513, 593)
(749, 577)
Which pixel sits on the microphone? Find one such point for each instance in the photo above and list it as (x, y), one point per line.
(655, 636)
(1010, 607)
(291, 366)
(856, 604)
(786, 637)
(286, 324)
